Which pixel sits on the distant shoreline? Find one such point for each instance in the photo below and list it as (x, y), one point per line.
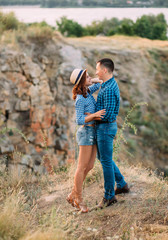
(39, 6)
(20, 6)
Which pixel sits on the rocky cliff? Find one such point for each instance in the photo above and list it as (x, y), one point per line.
(35, 97)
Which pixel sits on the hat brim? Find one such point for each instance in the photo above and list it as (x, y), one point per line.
(80, 76)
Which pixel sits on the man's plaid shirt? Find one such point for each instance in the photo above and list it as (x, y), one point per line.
(109, 99)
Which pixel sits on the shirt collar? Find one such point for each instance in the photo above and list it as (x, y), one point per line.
(107, 82)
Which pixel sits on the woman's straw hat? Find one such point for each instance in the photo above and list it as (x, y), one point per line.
(76, 75)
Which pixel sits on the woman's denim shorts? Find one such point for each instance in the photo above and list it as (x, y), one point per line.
(86, 135)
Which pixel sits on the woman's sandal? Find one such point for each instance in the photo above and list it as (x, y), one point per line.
(81, 206)
(70, 200)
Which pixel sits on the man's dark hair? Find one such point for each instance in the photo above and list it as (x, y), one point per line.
(108, 63)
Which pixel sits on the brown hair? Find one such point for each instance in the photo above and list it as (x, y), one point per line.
(80, 88)
(107, 63)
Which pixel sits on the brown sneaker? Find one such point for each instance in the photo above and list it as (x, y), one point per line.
(105, 203)
(125, 189)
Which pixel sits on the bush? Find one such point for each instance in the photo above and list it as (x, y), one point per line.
(70, 28)
(40, 34)
(126, 27)
(41, 24)
(8, 21)
(152, 27)
(105, 27)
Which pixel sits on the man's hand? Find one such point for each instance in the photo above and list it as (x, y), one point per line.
(97, 115)
(100, 114)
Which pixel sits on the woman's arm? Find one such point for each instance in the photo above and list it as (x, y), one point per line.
(82, 117)
(95, 116)
(94, 87)
(97, 80)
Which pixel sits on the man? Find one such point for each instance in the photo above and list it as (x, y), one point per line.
(109, 99)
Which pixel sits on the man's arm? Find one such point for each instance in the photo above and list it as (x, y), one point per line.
(109, 103)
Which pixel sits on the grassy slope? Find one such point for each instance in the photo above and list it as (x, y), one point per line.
(142, 214)
(118, 42)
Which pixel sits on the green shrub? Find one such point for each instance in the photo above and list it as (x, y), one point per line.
(152, 27)
(8, 21)
(105, 27)
(41, 24)
(70, 28)
(126, 27)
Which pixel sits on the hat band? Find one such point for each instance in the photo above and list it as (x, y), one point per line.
(78, 76)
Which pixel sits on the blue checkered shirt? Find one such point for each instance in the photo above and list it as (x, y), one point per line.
(109, 98)
(83, 105)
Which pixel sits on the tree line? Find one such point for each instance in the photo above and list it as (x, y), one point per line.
(88, 3)
(147, 26)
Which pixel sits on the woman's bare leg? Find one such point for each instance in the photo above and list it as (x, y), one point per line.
(85, 153)
(91, 161)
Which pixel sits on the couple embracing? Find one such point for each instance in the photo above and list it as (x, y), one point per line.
(97, 130)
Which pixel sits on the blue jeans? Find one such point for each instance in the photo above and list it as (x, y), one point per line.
(105, 134)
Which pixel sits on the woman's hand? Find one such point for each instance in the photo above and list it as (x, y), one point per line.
(97, 80)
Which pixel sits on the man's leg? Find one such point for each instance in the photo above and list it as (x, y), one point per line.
(105, 149)
(118, 177)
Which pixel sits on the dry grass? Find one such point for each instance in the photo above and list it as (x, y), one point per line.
(50, 235)
(12, 219)
(117, 42)
(142, 214)
(37, 34)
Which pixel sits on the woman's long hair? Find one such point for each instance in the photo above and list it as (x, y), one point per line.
(80, 88)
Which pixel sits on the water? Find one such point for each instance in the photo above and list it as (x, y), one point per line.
(83, 16)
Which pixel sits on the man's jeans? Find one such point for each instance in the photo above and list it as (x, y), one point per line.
(105, 134)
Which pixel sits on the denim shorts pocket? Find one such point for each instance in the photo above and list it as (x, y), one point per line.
(80, 132)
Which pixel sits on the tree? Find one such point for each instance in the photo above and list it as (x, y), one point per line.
(69, 27)
(152, 27)
(142, 27)
(126, 27)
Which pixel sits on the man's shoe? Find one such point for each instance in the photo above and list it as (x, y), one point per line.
(105, 203)
(125, 189)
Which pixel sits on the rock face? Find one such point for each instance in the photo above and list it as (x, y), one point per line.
(36, 96)
(36, 99)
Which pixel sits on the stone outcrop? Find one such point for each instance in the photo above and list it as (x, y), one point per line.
(36, 96)
(36, 99)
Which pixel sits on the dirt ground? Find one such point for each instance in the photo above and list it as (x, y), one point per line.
(140, 215)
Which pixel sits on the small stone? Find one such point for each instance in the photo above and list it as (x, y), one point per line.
(22, 105)
(35, 81)
(126, 103)
(4, 68)
(116, 237)
(89, 229)
(27, 160)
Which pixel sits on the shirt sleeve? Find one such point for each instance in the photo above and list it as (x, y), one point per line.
(94, 87)
(80, 116)
(109, 103)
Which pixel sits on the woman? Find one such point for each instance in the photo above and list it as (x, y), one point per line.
(86, 138)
